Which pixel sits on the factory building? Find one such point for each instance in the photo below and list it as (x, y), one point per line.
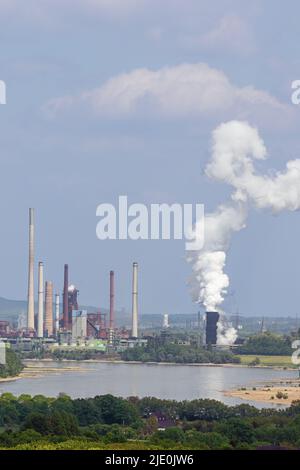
(4, 328)
(96, 325)
(79, 324)
(72, 300)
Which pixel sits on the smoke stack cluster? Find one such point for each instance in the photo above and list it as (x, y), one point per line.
(30, 298)
(47, 324)
(134, 332)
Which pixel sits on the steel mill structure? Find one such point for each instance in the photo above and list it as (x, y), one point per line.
(72, 303)
(65, 320)
(61, 322)
(65, 323)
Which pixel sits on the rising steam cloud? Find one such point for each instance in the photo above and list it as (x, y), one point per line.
(209, 282)
(236, 147)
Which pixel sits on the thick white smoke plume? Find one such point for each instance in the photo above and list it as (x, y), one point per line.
(209, 282)
(225, 335)
(236, 146)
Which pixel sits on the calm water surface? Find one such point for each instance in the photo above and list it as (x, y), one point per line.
(179, 382)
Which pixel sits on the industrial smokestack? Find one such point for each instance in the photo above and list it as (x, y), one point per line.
(56, 313)
(111, 300)
(40, 327)
(212, 319)
(30, 298)
(65, 298)
(49, 308)
(134, 332)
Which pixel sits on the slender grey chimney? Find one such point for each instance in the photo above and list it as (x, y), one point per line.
(56, 313)
(134, 332)
(40, 327)
(30, 297)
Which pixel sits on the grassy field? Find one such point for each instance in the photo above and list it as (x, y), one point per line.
(281, 361)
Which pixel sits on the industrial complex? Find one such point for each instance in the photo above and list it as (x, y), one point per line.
(59, 322)
(55, 320)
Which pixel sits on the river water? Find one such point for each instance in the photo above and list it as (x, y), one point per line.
(179, 382)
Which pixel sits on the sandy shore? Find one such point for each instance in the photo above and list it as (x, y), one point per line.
(278, 392)
(34, 371)
(10, 379)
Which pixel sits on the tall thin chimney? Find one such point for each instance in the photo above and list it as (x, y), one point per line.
(65, 298)
(134, 332)
(30, 298)
(40, 327)
(56, 313)
(111, 300)
(49, 308)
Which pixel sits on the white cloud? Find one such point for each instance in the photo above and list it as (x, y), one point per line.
(231, 34)
(182, 91)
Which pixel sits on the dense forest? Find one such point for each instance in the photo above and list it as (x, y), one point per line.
(108, 422)
(13, 365)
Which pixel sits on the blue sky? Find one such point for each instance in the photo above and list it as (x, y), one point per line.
(71, 138)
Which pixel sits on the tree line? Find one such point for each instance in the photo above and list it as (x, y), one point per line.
(13, 364)
(155, 351)
(111, 422)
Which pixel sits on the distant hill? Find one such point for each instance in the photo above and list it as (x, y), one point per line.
(10, 309)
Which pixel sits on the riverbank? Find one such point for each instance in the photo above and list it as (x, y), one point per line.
(282, 392)
(266, 362)
(30, 372)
